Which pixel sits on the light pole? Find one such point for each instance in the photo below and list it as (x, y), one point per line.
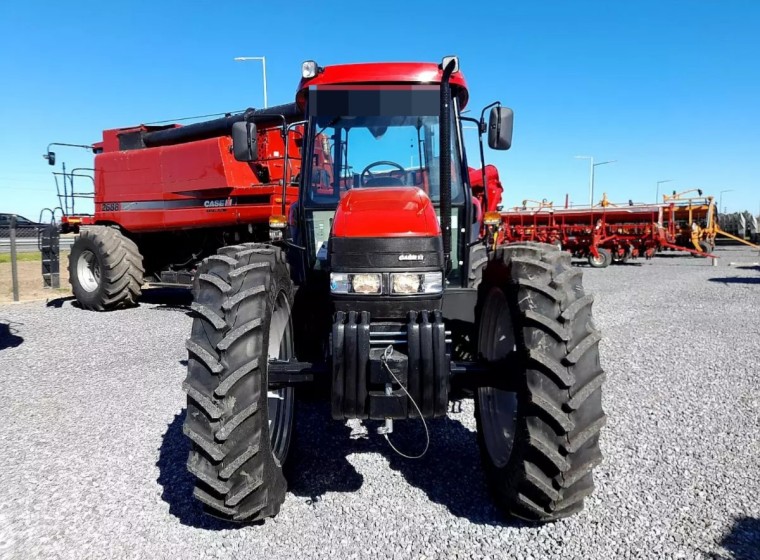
(263, 70)
(591, 175)
(720, 199)
(657, 196)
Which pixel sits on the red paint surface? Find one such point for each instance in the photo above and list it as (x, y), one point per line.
(494, 186)
(203, 170)
(387, 73)
(386, 212)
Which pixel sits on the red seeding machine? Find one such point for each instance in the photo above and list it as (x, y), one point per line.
(608, 232)
(318, 256)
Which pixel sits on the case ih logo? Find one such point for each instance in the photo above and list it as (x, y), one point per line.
(217, 203)
(411, 257)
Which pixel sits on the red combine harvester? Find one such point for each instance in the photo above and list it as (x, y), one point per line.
(604, 233)
(168, 196)
(381, 283)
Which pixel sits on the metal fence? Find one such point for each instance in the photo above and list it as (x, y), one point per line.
(29, 259)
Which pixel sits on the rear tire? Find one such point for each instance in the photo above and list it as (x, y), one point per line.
(240, 429)
(539, 440)
(105, 269)
(602, 261)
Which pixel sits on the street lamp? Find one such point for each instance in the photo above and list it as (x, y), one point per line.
(657, 196)
(591, 173)
(720, 200)
(263, 69)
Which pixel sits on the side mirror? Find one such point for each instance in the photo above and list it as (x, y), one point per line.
(500, 124)
(244, 140)
(50, 156)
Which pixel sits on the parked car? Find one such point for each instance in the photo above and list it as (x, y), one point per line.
(24, 226)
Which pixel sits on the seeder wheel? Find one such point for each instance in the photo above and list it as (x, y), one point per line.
(602, 261)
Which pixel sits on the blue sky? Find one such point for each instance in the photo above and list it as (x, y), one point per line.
(670, 89)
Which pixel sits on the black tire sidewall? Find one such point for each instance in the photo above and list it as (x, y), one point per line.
(281, 284)
(517, 455)
(87, 299)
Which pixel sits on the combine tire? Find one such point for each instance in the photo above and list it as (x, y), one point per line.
(602, 261)
(105, 269)
(539, 433)
(238, 426)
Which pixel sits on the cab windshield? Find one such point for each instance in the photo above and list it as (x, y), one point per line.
(366, 138)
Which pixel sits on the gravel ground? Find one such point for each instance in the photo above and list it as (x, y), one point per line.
(94, 454)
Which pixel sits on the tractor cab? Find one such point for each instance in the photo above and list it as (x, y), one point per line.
(379, 145)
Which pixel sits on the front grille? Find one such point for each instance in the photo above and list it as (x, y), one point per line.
(385, 253)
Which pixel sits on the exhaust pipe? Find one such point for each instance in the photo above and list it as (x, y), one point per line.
(448, 67)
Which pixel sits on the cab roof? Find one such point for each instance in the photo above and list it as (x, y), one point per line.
(383, 73)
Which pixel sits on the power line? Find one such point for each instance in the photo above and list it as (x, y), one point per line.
(197, 117)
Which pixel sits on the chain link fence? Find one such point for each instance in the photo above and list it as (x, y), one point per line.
(30, 260)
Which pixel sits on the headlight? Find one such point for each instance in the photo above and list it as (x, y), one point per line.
(405, 283)
(343, 283)
(309, 69)
(411, 283)
(365, 283)
(401, 283)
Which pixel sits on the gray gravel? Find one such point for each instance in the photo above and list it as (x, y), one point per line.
(93, 456)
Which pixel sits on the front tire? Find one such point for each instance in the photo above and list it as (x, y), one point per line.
(539, 439)
(105, 269)
(239, 427)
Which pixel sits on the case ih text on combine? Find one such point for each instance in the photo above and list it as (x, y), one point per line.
(341, 239)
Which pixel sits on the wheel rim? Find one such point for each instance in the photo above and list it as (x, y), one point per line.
(88, 271)
(598, 260)
(498, 408)
(280, 401)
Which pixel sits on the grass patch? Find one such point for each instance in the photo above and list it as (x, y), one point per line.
(21, 257)
(34, 256)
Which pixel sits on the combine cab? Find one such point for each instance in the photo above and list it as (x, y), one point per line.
(382, 282)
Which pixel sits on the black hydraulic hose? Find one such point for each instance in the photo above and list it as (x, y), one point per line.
(218, 127)
(445, 162)
(191, 132)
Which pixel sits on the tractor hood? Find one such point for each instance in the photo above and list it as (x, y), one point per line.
(386, 212)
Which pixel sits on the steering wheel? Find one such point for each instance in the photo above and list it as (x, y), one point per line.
(366, 174)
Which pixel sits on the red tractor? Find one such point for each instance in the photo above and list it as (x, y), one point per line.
(343, 239)
(380, 282)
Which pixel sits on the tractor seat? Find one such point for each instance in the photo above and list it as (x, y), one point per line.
(384, 182)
